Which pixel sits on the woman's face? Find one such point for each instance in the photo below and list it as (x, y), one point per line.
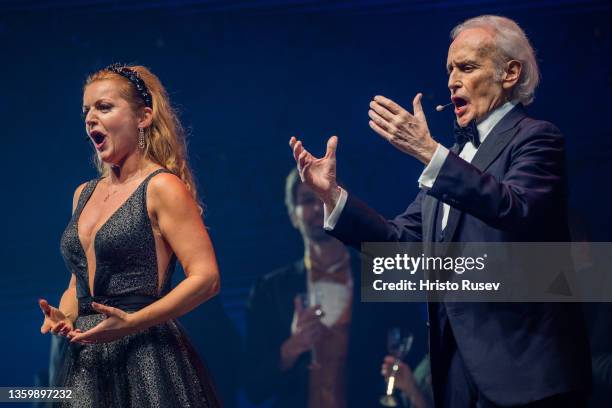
(110, 121)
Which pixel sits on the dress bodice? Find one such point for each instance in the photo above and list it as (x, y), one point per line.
(124, 246)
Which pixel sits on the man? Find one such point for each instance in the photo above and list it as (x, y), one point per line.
(503, 181)
(326, 355)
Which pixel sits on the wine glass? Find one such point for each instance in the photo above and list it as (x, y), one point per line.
(312, 299)
(399, 343)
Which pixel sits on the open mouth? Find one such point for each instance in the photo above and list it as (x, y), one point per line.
(98, 138)
(460, 105)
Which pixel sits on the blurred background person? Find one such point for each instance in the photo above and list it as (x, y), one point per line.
(309, 340)
(413, 386)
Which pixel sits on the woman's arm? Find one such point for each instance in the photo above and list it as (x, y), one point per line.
(61, 320)
(181, 225)
(69, 304)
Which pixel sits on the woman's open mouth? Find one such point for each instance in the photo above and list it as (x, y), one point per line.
(460, 105)
(98, 138)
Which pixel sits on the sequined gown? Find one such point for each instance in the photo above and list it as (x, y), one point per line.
(157, 367)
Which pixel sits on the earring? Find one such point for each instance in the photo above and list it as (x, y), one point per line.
(141, 139)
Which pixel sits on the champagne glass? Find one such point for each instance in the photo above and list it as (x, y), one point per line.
(399, 343)
(312, 299)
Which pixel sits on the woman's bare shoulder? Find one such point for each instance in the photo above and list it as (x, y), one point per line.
(167, 187)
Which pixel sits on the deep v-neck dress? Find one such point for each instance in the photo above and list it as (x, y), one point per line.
(157, 367)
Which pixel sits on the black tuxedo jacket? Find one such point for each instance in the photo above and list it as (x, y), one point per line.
(514, 190)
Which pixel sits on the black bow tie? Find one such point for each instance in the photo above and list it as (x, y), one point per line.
(466, 134)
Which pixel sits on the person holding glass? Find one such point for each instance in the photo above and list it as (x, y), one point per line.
(309, 341)
(414, 386)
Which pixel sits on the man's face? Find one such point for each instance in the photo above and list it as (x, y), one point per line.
(308, 214)
(475, 85)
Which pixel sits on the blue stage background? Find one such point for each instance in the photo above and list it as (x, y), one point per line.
(246, 76)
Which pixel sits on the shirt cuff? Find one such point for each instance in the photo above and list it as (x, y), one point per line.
(428, 177)
(331, 219)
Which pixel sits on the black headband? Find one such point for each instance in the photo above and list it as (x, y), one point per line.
(135, 79)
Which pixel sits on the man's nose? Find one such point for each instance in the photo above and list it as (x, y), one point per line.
(453, 82)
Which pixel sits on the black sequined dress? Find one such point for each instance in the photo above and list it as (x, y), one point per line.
(157, 367)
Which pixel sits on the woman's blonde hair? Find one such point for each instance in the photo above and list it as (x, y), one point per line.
(165, 142)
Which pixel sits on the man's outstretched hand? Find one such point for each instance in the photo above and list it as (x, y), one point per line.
(406, 131)
(318, 173)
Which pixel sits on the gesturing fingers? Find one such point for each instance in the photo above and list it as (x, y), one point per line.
(73, 333)
(332, 145)
(57, 327)
(384, 112)
(44, 306)
(389, 104)
(107, 310)
(381, 122)
(381, 131)
(297, 149)
(86, 337)
(417, 107)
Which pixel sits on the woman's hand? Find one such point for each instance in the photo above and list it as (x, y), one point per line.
(116, 324)
(55, 321)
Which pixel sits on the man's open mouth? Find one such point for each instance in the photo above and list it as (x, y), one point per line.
(460, 105)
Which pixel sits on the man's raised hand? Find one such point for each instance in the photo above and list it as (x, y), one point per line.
(406, 131)
(318, 173)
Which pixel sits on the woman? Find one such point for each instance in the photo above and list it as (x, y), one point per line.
(127, 229)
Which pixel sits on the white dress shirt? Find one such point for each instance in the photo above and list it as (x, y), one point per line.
(430, 173)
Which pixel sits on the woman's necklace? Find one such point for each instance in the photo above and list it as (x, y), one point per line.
(110, 193)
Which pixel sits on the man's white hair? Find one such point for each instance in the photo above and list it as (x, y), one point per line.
(511, 43)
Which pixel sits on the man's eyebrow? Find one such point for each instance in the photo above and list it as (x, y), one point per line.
(467, 62)
(462, 62)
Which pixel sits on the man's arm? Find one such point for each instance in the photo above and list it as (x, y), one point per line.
(530, 187)
(359, 223)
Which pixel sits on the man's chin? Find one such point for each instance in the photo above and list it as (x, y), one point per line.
(464, 120)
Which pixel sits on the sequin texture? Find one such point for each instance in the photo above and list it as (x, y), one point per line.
(157, 367)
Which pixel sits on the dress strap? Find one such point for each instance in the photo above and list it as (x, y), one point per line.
(85, 194)
(155, 173)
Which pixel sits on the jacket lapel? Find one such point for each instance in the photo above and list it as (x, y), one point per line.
(499, 138)
(428, 215)
(488, 151)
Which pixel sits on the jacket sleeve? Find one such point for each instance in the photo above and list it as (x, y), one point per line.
(359, 223)
(533, 183)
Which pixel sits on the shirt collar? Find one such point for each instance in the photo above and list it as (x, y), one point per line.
(485, 127)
